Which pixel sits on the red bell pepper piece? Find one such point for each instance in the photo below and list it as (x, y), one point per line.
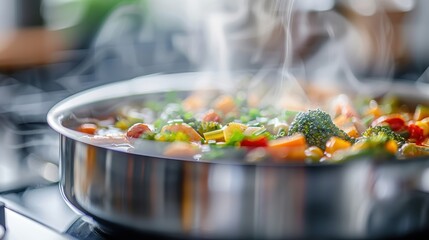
(261, 141)
(395, 121)
(416, 133)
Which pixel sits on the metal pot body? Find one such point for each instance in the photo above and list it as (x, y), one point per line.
(185, 198)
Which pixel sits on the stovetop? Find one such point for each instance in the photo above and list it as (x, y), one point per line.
(18, 226)
(41, 213)
(38, 212)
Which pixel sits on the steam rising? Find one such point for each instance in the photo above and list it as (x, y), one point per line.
(284, 43)
(342, 45)
(298, 43)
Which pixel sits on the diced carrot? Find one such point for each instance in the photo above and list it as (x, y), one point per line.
(352, 131)
(295, 140)
(314, 153)
(225, 104)
(391, 146)
(281, 154)
(374, 110)
(88, 128)
(336, 143)
(288, 148)
(193, 102)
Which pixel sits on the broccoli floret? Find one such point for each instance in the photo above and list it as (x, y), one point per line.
(203, 127)
(317, 127)
(374, 146)
(386, 132)
(372, 142)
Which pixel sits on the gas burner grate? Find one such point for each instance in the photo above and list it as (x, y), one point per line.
(87, 229)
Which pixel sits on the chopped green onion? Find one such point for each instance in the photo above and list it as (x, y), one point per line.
(175, 121)
(260, 131)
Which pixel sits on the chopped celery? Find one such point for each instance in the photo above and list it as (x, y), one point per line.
(216, 135)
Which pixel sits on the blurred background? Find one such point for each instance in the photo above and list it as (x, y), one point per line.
(50, 49)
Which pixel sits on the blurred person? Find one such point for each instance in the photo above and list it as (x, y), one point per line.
(23, 39)
(33, 32)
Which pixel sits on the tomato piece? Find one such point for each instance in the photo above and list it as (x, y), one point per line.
(396, 124)
(136, 130)
(88, 128)
(251, 143)
(416, 133)
(184, 128)
(395, 121)
(211, 116)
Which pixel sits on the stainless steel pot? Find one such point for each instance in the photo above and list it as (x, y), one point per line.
(145, 192)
